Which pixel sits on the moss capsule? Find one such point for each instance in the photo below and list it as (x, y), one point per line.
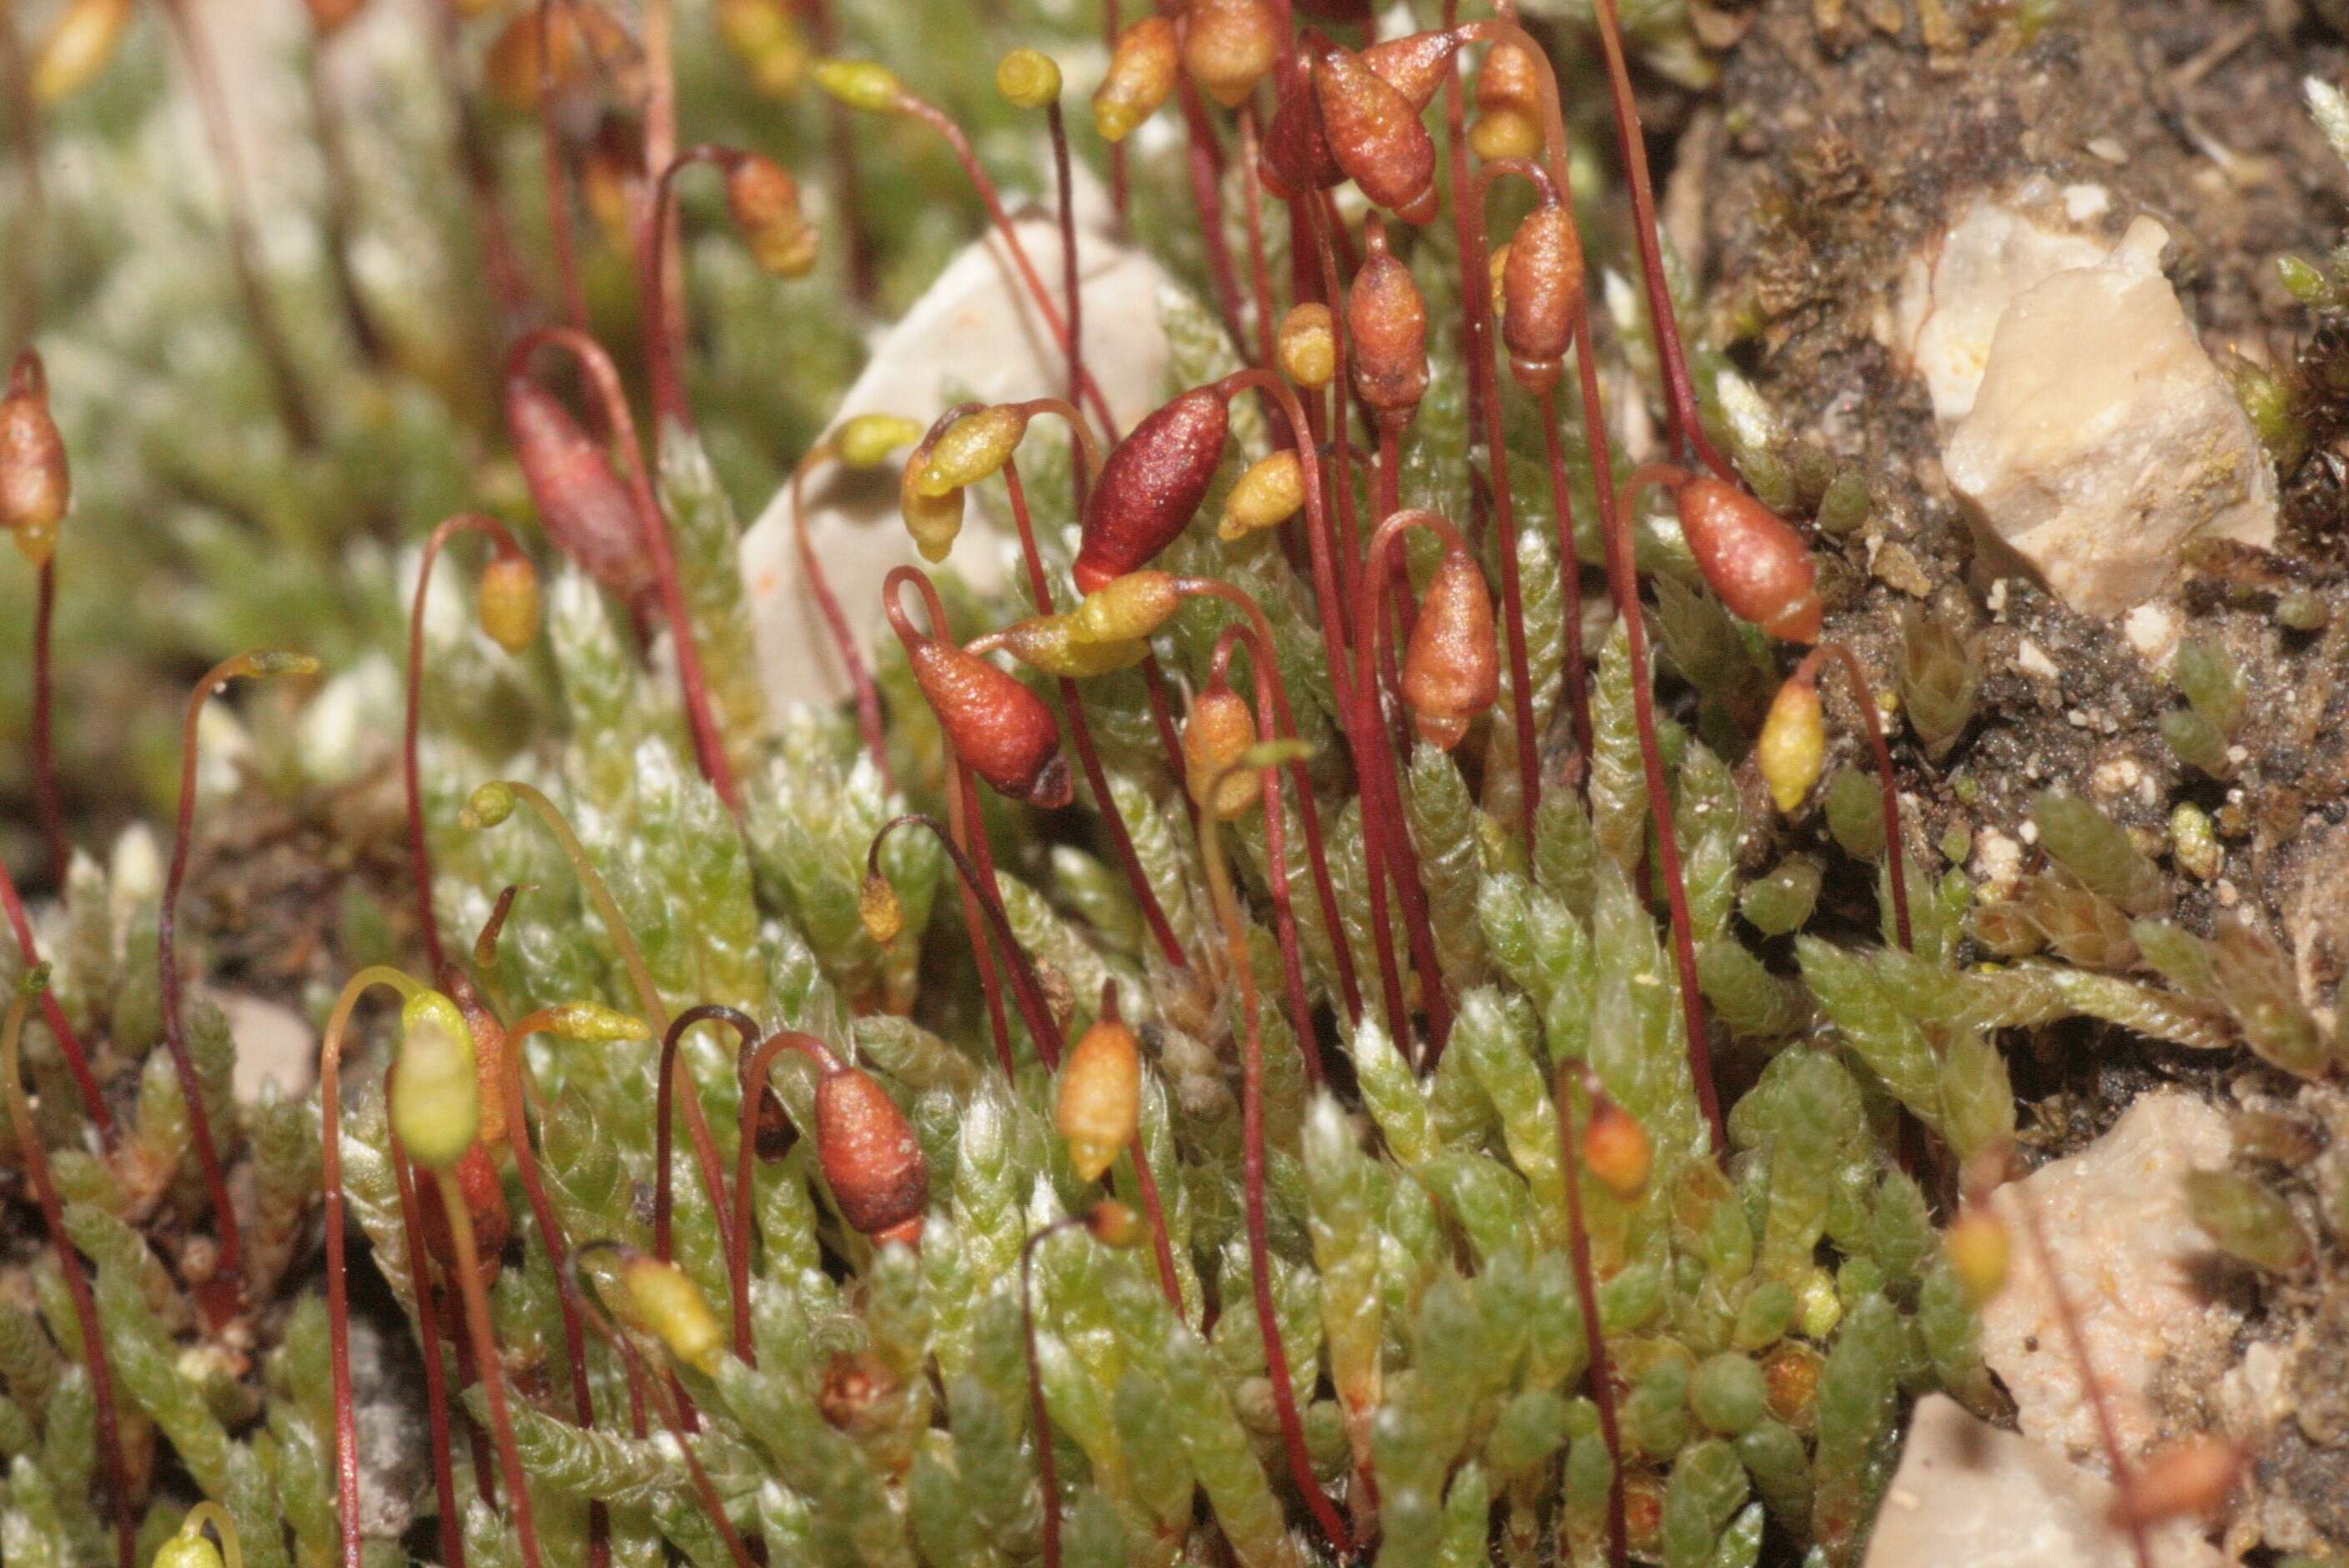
(767, 39)
(509, 603)
(972, 448)
(1980, 1252)
(1140, 79)
(764, 199)
(1229, 46)
(1541, 287)
(1267, 495)
(1375, 135)
(863, 84)
(35, 482)
(866, 441)
(1216, 733)
(1451, 666)
(1758, 565)
(1792, 750)
(870, 1156)
(1028, 78)
(664, 1302)
(580, 498)
(435, 1091)
(1099, 1110)
(1150, 485)
(1617, 1149)
(1306, 345)
(1127, 608)
(1386, 316)
(79, 42)
(996, 725)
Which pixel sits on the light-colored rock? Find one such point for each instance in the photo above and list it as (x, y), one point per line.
(976, 333)
(1947, 310)
(2115, 1222)
(2102, 439)
(1967, 1492)
(274, 1043)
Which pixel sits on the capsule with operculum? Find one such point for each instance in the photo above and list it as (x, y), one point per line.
(35, 481)
(973, 448)
(1229, 46)
(1297, 159)
(1143, 65)
(1758, 566)
(1150, 485)
(998, 728)
(1451, 666)
(1375, 135)
(669, 1306)
(1267, 495)
(764, 198)
(581, 499)
(1306, 345)
(1051, 643)
(766, 37)
(586, 43)
(872, 1162)
(1792, 750)
(1128, 608)
(1415, 64)
(1217, 734)
(509, 603)
(1508, 104)
(1540, 293)
(1386, 316)
(1099, 1109)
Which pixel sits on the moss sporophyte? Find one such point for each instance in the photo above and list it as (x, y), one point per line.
(1383, 1086)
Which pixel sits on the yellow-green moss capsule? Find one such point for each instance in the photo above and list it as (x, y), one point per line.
(1029, 79)
(436, 1096)
(1099, 1105)
(188, 1552)
(1265, 496)
(866, 441)
(509, 603)
(490, 805)
(1307, 347)
(861, 84)
(878, 906)
(970, 449)
(1979, 1254)
(663, 1301)
(1793, 747)
(1126, 608)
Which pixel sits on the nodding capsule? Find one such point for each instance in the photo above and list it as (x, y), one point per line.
(1508, 104)
(1375, 135)
(996, 725)
(1792, 750)
(764, 199)
(1541, 287)
(1306, 345)
(1415, 64)
(585, 44)
(580, 498)
(1217, 734)
(1150, 485)
(1758, 564)
(1098, 1109)
(1143, 65)
(1229, 46)
(870, 1156)
(1386, 316)
(1451, 668)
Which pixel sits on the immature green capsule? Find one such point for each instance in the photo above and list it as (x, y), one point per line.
(662, 1300)
(188, 1552)
(1126, 608)
(1029, 79)
(973, 448)
(1267, 495)
(509, 603)
(861, 84)
(866, 441)
(436, 1097)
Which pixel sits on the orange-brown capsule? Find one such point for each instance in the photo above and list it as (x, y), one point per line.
(1306, 345)
(1758, 565)
(1415, 64)
(35, 482)
(1143, 63)
(1113, 1224)
(1217, 732)
(997, 726)
(1228, 45)
(765, 201)
(1508, 104)
(489, 1053)
(873, 1162)
(1452, 669)
(1616, 1148)
(1375, 135)
(1387, 317)
(586, 43)
(1151, 484)
(580, 497)
(509, 603)
(1541, 288)
(1979, 1253)
(1099, 1111)
(484, 1192)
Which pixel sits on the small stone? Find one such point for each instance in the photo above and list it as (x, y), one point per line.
(2032, 660)
(274, 1043)
(2103, 440)
(2124, 1247)
(1968, 1492)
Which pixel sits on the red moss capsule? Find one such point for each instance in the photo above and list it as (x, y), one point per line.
(1617, 1150)
(35, 483)
(1375, 135)
(765, 201)
(1228, 45)
(1758, 565)
(1387, 317)
(484, 1193)
(1452, 670)
(1150, 485)
(870, 1156)
(579, 496)
(489, 1053)
(1297, 158)
(997, 726)
(1541, 286)
(1415, 64)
